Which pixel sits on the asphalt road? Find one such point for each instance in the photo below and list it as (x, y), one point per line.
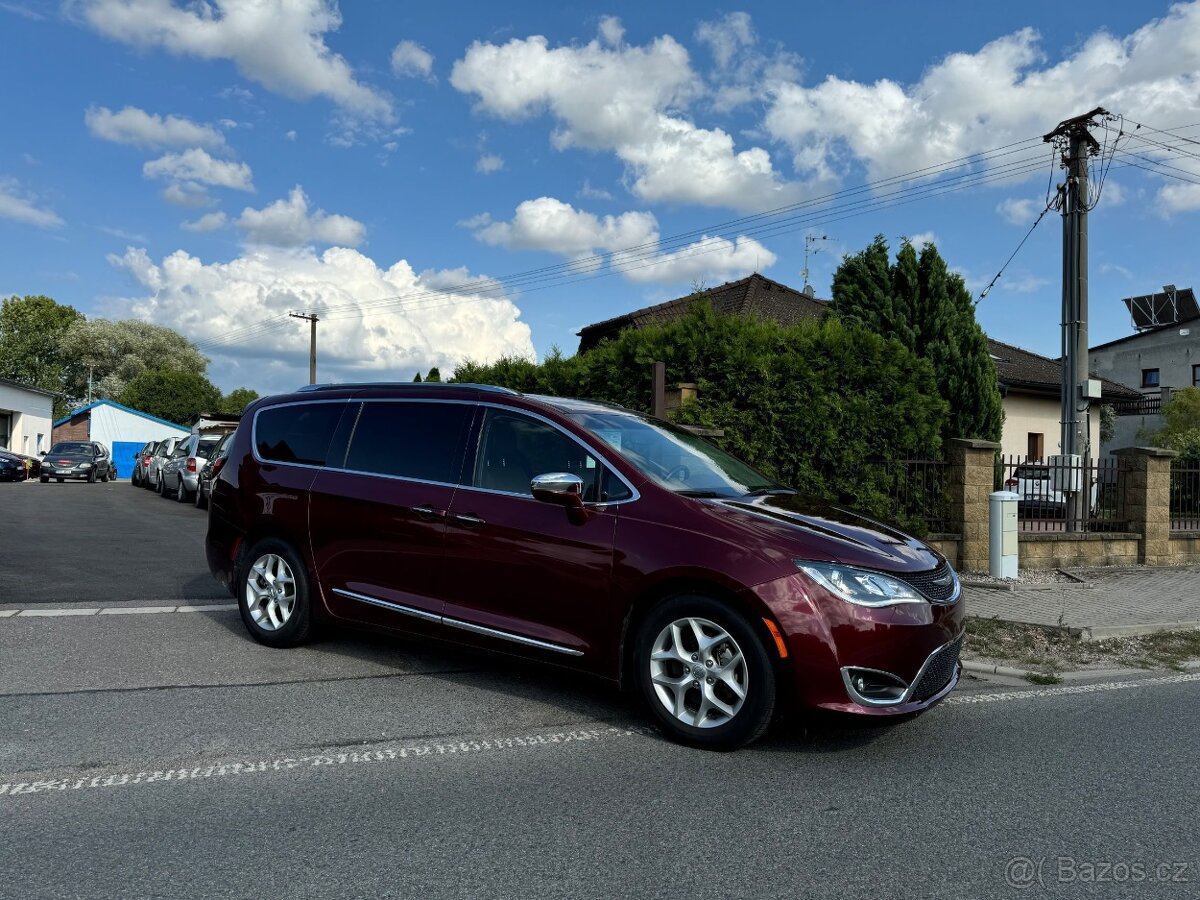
(100, 543)
(165, 754)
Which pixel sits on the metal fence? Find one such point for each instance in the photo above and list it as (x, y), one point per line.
(1046, 493)
(1146, 406)
(921, 493)
(1185, 495)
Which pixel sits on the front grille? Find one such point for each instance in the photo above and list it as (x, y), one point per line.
(926, 582)
(939, 671)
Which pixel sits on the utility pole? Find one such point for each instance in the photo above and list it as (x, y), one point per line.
(809, 241)
(1076, 143)
(312, 319)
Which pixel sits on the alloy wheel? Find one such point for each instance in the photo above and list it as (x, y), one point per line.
(698, 672)
(270, 592)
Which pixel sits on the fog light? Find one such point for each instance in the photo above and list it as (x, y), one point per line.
(873, 687)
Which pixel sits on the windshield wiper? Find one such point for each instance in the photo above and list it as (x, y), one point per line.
(702, 495)
(771, 492)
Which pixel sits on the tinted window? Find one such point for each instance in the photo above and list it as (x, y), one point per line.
(514, 448)
(296, 434)
(205, 447)
(413, 440)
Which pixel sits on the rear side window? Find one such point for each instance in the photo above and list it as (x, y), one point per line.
(299, 433)
(411, 440)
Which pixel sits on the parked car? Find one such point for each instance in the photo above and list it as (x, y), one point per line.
(158, 458)
(12, 467)
(1033, 484)
(211, 469)
(141, 463)
(180, 474)
(582, 534)
(87, 460)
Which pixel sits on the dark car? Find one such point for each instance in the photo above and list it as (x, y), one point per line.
(87, 460)
(582, 534)
(12, 467)
(141, 463)
(211, 469)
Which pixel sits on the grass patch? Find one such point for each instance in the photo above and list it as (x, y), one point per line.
(1049, 650)
(1042, 678)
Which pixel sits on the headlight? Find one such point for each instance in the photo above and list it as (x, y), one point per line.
(860, 586)
(84, 466)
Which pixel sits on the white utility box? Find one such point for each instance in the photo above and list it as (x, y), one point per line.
(1002, 534)
(1066, 473)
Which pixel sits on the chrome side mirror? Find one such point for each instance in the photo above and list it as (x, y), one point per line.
(561, 488)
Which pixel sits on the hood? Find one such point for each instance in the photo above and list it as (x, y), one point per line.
(73, 457)
(817, 529)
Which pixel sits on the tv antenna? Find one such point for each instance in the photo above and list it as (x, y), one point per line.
(810, 242)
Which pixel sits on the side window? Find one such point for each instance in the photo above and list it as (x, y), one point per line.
(513, 448)
(412, 440)
(296, 434)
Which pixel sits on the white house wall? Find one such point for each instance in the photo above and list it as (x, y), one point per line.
(110, 424)
(1025, 413)
(32, 414)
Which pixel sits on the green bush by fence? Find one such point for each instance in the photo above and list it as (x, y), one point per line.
(825, 407)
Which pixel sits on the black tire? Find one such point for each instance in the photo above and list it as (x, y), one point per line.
(753, 717)
(298, 627)
(160, 488)
(201, 502)
(91, 476)
(45, 479)
(60, 480)
(181, 493)
(104, 477)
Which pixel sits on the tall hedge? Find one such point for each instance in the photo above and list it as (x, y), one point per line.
(824, 406)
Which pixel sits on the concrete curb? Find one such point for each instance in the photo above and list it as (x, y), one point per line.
(1101, 632)
(970, 665)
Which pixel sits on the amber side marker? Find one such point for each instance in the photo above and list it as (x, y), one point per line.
(779, 644)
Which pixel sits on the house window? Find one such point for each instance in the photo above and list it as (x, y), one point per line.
(40, 440)
(1150, 378)
(1195, 376)
(1037, 445)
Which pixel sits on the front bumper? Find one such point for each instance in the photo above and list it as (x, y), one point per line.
(829, 641)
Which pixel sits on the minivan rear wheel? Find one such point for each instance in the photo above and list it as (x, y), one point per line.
(273, 594)
(705, 673)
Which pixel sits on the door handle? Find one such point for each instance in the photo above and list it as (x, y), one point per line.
(428, 512)
(468, 520)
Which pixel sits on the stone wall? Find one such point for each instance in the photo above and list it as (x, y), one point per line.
(1185, 547)
(1059, 550)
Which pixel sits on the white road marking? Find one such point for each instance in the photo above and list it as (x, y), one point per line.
(55, 612)
(1001, 696)
(322, 759)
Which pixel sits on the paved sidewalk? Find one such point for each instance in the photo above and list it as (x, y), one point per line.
(1111, 602)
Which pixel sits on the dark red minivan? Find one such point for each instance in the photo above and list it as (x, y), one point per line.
(579, 533)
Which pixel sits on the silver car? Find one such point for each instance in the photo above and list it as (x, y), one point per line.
(180, 473)
(161, 454)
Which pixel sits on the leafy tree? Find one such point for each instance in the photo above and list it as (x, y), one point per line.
(434, 375)
(117, 352)
(237, 400)
(417, 378)
(825, 407)
(171, 394)
(31, 330)
(1108, 422)
(1181, 430)
(921, 303)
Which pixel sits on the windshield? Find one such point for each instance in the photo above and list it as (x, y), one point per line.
(71, 448)
(672, 457)
(205, 448)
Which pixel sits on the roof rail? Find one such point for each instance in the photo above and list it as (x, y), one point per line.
(413, 385)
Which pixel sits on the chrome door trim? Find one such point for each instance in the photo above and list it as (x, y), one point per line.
(427, 616)
(509, 636)
(387, 604)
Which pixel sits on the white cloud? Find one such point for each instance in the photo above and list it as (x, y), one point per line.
(627, 100)
(20, 206)
(434, 326)
(142, 129)
(291, 135)
(611, 31)
(742, 67)
(288, 223)
(1017, 211)
(489, 163)
(278, 43)
(727, 37)
(195, 167)
(410, 59)
(1113, 193)
(123, 234)
(591, 192)
(1024, 284)
(208, 222)
(709, 260)
(190, 195)
(922, 239)
(1006, 91)
(551, 225)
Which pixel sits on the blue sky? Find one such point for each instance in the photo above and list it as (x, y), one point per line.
(213, 166)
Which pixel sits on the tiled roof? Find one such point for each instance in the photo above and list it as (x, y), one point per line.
(756, 296)
(1018, 368)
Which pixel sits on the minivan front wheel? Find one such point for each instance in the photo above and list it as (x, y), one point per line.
(273, 595)
(705, 673)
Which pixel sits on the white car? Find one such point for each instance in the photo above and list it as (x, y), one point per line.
(1034, 485)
